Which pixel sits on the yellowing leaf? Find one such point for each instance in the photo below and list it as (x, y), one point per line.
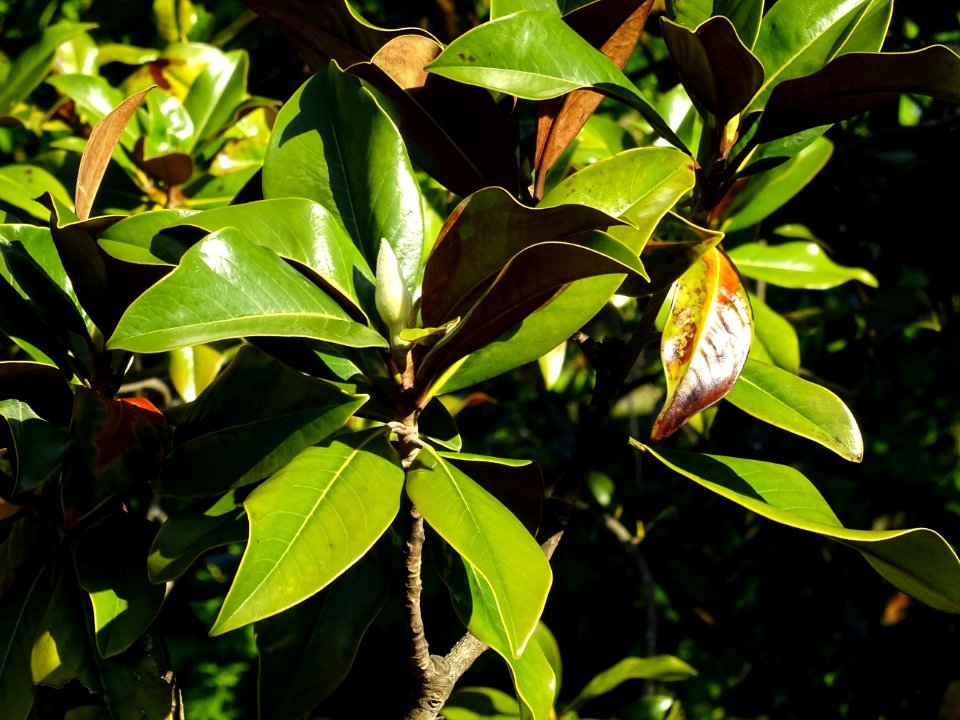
(705, 341)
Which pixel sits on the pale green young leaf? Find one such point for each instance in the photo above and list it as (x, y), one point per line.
(796, 264)
(312, 520)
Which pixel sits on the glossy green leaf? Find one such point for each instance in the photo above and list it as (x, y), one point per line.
(705, 341)
(506, 559)
(437, 424)
(169, 127)
(229, 437)
(535, 55)
(192, 531)
(500, 8)
(918, 561)
(324, 31)
(854, 83)
(638, 185)
(32, 66)
(294, 228)
(38, 243)
(307, 651)
(804, 408)
(311, 521)
(767, 192)
(21, 185)
(256, 293)
(39, 447)
(124, 601)
(481, 703)
(216, 94)
(528, 282)
(481, 236)
(720, 75)
(551, 651)
(795, 264)
(662, 668)
(333, 144)
(775, 335)
(789, 45)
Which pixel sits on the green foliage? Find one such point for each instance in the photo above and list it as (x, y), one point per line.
(347, 294)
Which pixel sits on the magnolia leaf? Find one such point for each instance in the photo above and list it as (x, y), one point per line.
(333, 144)
(100, 146)
(480, 237)
(795, 264)
(256, 293)
(480, 703)
(528, 282)
(614, 28)
(229, 437)
(454, 132)
(662, 668)
(745, 16)
(705, 342)
(124, 600)
(308, 650)
(21, 185)
(39, 447)
(720, 75)
(854, 83)
(507, 562)
(918, 561)
(536, 55)
(775, 336)
(789, 45)
(310, 521)
(192, 531)
(192, 369)
(215, 95)
(804, 408)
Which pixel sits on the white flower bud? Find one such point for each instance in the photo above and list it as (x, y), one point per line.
(392, 297)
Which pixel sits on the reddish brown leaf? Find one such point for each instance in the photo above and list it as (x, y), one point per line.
(615, 27)
(706, 340)
(96, 156)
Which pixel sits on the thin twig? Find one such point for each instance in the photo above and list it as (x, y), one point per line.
(419, 649)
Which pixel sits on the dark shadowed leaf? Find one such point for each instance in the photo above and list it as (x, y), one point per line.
(719, 73)
(798, 406)
(745, 16)
(474, 703)
(229, 437)
(529, 281)
(310, 522)
(789, 45)
(42, 387)
(308, 650)
(256, 293)
(192, 531)
(918, 561)
(325, 30)
(705, 342)
(333, 144)
(38, 448)
(481, 236)
(854, 83)
(455, 132)
(124, 601)
(137, 684)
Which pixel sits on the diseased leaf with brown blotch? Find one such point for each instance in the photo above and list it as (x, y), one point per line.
(705, 342)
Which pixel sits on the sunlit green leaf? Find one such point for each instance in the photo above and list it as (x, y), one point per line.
(256, 293)
(918, 561)
(215, 95)
(333, 144)
(481, 703)
(774, 335)
(795, 264)
(507, 560)
(663, 668)
(22, 185)
(311, 521)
